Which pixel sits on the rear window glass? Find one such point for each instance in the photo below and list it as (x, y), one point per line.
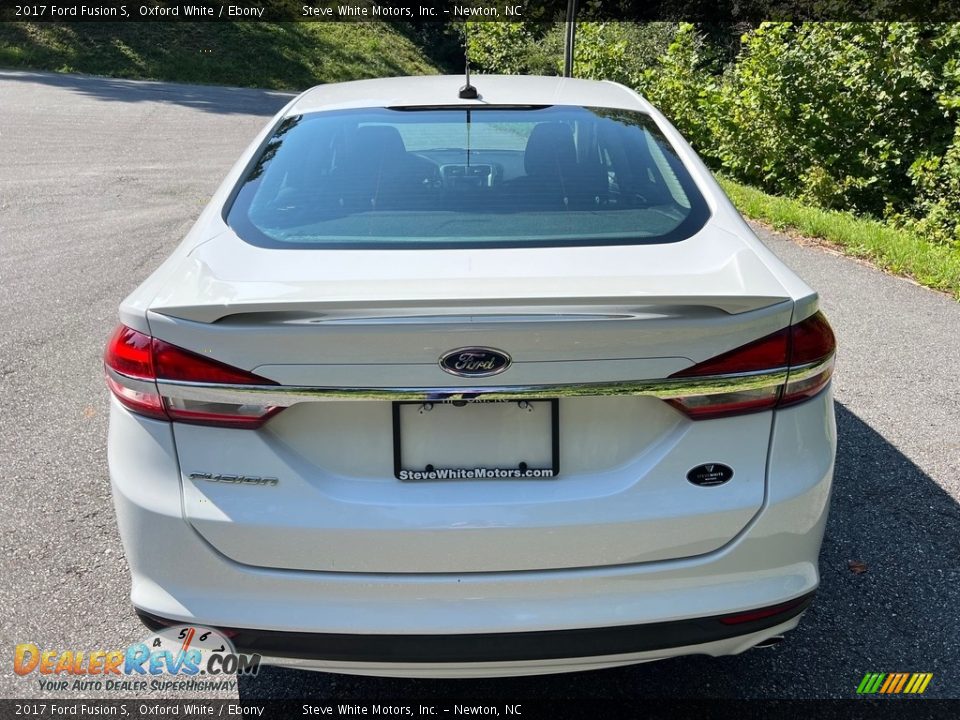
(455, 177)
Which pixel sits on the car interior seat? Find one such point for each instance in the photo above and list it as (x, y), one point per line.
(377, 172)
(554, 176)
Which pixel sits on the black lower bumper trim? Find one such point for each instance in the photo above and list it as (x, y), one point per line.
(502, 647)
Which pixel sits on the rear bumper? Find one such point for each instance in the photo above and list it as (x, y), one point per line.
(505, 647)
(518, 622)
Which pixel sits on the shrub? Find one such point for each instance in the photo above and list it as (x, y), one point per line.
(842, 115)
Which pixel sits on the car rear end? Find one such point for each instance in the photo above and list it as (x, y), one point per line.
(442, 420)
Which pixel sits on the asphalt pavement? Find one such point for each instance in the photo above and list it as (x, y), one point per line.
(99, 180)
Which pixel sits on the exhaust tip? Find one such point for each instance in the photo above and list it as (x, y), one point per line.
(769, 642)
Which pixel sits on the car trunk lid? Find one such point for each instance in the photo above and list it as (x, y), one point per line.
(352, 319)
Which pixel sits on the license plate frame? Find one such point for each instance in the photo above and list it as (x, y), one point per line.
(433, 474)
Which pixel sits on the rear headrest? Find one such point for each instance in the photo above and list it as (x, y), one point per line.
(550, 149)
(382, 140)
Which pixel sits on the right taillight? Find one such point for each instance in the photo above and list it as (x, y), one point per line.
(781, 369)
(812, 348)
(134, 363)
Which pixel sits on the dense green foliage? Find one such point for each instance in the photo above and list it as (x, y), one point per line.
(855, 116)
(611, 51)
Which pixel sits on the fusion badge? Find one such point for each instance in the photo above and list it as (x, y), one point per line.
(235, 479)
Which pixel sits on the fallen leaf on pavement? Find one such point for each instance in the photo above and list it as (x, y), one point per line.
(858, 567)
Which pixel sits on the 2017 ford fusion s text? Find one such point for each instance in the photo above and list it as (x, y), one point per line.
(444, 385)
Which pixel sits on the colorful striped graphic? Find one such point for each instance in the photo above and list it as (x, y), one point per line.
(894, 683)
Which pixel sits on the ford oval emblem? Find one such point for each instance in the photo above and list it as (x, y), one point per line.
(475, 362)
(710, 474)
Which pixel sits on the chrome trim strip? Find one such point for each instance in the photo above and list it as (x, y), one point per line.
(805, 372)
(132, 383)
(286, 395)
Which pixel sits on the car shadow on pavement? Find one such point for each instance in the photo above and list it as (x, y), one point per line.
(888, 601)
(219, 100)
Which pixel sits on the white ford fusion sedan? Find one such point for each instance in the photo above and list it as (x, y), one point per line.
(455, 385)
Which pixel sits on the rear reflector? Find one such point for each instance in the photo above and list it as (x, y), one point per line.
(135, 361)
(798, 361)
(767, 612)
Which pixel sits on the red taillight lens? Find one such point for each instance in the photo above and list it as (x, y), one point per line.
(173, 363)
(767, 352)
(811, 340)
(134, 362)
(132, 380)
(128, 352)
(811, 343)
(803, 352)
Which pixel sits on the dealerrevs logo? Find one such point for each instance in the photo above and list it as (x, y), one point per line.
(185, 652)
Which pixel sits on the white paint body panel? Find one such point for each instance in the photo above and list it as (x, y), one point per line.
(621, 496)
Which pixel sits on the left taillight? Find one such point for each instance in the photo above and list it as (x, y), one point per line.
(135, 362)
(781, 369)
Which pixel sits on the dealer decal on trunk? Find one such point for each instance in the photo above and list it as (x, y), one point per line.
(710, 474)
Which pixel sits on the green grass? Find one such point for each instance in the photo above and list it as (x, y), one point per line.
(279, 56)
(892, 249)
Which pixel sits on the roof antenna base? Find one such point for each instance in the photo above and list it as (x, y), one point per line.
(468, 91)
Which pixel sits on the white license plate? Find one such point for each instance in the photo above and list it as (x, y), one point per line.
(476, 440)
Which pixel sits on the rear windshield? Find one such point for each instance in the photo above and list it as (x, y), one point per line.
(454, 177)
